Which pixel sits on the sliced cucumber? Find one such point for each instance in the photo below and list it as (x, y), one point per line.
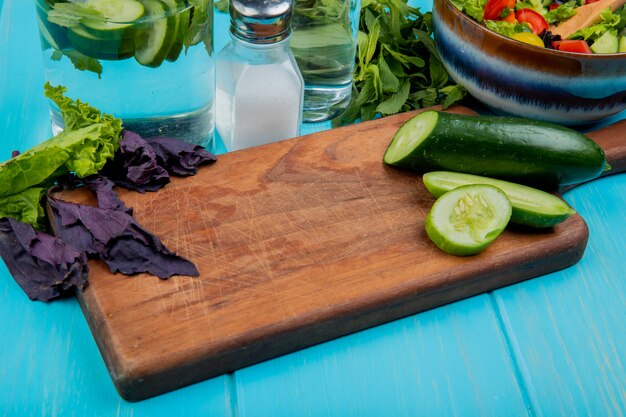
(520, 150)
(608, 43)
(107, 47)
(531, 207)
(116, 14)
(622, 44)
(182, 28)
(466, 220)
(52, 35)
(157, 36)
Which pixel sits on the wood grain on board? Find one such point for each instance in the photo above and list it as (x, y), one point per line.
(297, 242)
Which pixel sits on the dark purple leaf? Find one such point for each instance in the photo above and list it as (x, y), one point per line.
(15, 153)
(106, 197)
(179, 157)
(135, 165)
(44, 266)
(117, 238)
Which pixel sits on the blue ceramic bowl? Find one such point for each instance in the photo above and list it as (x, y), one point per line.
(515, 78)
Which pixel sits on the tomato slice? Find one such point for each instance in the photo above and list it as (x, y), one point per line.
(553, 6)
(493, 8)
(568, 45)
(536, 21)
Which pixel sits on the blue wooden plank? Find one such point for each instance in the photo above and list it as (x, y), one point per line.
(568, 329)
(449, 361)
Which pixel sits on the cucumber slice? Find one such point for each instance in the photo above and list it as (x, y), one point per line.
(531, 207)
(108, 47)
(182, 28)
(622, 44)
(157, 37)
(52, 35)
(466, 220)
(527, 151)
(606, 44)
(116, 14)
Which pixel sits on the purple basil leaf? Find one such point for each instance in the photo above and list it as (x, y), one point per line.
(135, 165)
(179, 157)
(15, 153)
(117, 238)
(107, 198)
(137, 250)
(43, 265)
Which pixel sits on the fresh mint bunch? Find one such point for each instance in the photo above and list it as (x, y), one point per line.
(397, 66)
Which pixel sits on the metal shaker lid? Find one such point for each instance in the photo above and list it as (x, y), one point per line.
(260, 21)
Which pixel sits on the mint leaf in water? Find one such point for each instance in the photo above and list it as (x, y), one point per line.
(71, 14)
(83, 62)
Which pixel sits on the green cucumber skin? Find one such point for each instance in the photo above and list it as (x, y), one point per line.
(440, 182)
(519, 150)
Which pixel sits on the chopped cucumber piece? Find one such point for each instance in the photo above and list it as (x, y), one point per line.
(466, 220)
(117, 14)
(157, 36)
(622, 44)
(606, 44)
(531, 207)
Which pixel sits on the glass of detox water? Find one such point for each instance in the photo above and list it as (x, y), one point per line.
(324, 34)
(148, 62)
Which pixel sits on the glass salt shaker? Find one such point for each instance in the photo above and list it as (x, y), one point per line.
(259, 91)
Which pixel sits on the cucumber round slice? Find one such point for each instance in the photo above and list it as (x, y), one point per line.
(157, 36)
(466, 220)
(116, 14)
(531, 207)
(107, 47)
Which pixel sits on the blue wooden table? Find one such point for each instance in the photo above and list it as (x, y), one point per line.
(550, 346)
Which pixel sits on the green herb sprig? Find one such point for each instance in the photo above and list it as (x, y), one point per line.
(397, 66)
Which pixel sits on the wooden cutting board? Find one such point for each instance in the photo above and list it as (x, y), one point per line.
(297, 242)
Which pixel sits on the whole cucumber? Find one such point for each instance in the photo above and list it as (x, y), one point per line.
(537, 153)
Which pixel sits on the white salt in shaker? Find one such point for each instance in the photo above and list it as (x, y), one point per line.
(259, 86)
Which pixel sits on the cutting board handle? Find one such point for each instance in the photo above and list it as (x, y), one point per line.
(612, 139)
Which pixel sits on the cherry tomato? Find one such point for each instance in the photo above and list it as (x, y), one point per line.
(493, 8)
(536, 21)
(568, 45)
(511, 4)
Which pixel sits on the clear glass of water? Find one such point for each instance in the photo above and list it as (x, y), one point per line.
(148, 62)
(324, 45)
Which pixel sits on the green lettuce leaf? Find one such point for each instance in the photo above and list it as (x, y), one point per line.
(609, 21)
(506, 28)
(88, 141)
(25, 205)
(561, 13)
(536, 5)
(473, 8)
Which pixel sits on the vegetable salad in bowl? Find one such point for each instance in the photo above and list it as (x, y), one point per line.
(581, 26)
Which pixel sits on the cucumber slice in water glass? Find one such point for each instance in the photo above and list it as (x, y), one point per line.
(157, 36)
(467, 219)
(117, 14)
